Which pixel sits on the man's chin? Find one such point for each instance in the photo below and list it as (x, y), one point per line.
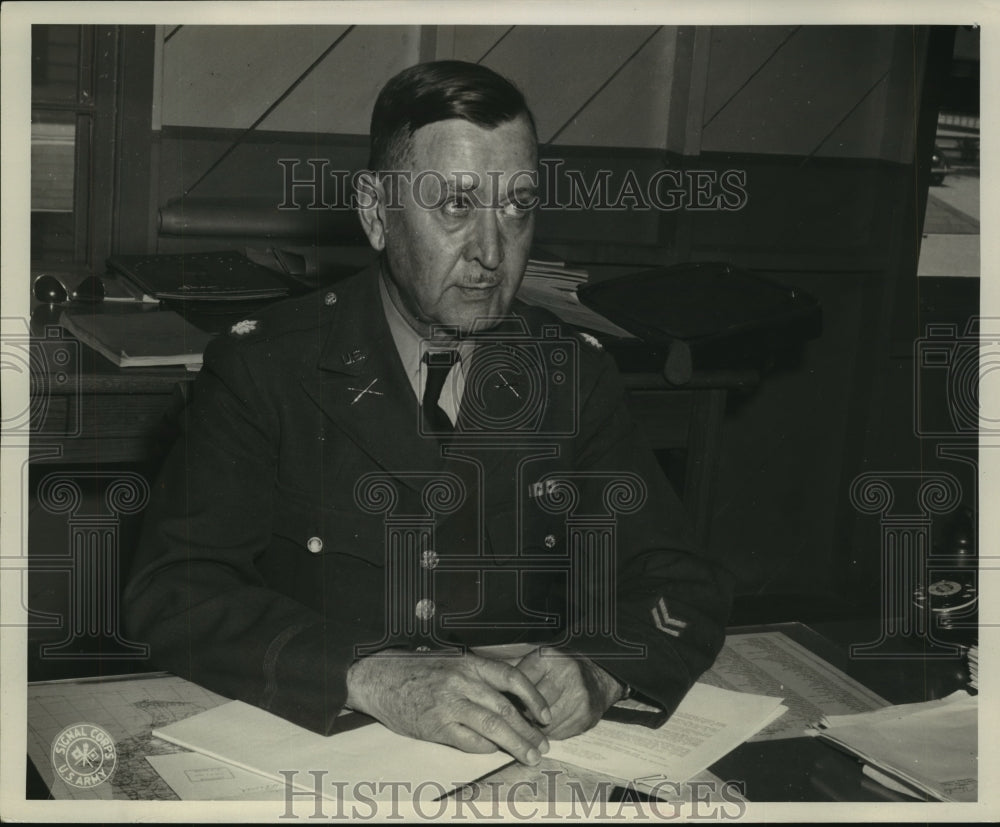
(484, 319)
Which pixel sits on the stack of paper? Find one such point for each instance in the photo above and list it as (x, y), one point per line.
(552, 285)
(709, 723)
(372, 757)
(923, 749)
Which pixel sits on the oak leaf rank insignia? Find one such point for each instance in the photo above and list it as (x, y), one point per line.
(244, 327)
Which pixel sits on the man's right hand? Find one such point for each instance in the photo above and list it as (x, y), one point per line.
(454, 700)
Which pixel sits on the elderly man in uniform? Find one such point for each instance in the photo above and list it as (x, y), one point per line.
(279, 562)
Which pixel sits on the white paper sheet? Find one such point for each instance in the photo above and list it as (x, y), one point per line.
(933, 746)
(709, 723)
(260, 742)
(196, 777)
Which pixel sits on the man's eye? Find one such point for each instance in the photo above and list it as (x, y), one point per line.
(518, 209)
(457, 206)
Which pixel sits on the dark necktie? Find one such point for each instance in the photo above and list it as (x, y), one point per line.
(437, 365)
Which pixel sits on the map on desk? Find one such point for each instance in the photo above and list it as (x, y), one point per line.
(771, 663)
(128, 708)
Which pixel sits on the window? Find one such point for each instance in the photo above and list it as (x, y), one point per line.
(73, 81)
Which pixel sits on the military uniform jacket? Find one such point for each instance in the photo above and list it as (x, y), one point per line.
(305, 518)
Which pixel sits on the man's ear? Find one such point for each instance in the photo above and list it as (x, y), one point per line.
(371, 200)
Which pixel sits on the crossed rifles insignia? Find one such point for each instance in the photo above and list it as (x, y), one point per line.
(352, 357)
(502, 380)
(367, 389)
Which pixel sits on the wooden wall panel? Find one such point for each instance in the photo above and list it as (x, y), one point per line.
(338, 96)
(227, 76)
(473, 43)
(806, 84)
(619, 116)
(560, 68)
(737, 52)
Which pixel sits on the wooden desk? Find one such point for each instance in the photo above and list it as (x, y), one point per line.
(805, 769)
(793, 769)
(92, 411)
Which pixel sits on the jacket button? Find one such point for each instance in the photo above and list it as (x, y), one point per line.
(315, 545)
(330, 299)
(429, 559)
(425, 609)
(550, 540)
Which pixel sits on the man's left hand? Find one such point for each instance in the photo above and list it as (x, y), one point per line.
(578, 691)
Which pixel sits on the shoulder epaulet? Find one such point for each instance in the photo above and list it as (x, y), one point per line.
(538, 316)
(287, 316)
(244, 327)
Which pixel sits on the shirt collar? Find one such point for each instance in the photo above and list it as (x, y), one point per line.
(408, 341)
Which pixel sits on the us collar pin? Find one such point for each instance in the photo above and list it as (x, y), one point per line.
(352, 357)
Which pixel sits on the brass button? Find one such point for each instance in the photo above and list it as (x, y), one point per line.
(425, 609)
(315, 545)
(550, 540)
(429, 559)
(330, 298)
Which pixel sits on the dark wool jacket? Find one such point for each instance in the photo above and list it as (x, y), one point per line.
(304, 519)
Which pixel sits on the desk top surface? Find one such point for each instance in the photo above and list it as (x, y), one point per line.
(787, 769)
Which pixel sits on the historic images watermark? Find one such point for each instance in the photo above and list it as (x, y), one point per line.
(927, 592)
(51, 359)
(949, 366)
(93, 624)
(90, 564)
(906, 503)
(521, 401)
(84, 755)
(310, 184)
(316, 796)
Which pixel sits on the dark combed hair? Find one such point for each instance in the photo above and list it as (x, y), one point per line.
(431, 92)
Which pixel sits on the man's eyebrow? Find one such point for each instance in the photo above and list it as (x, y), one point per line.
(469, 185)
(526, 189)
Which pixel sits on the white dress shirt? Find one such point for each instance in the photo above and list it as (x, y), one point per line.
(411, 347)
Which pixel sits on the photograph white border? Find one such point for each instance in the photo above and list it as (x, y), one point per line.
(16, 19)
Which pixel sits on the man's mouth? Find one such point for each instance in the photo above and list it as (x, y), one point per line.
(479, 288)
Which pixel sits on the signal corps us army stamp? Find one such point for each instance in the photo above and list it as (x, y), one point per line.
(84, 755)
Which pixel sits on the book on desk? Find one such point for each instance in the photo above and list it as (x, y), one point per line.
(131, 337)
(223, 276)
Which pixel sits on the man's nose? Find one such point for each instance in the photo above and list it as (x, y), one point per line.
(486, 244)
